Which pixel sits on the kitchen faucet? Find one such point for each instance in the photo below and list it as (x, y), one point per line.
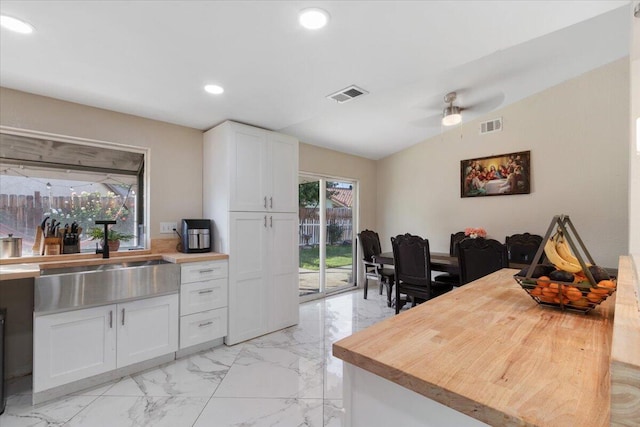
(105, 245)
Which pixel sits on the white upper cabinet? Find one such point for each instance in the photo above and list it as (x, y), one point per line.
(262, 168)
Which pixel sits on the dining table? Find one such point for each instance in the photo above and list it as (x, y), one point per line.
(440, 261)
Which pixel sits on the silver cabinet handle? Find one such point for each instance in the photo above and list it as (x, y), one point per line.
(201, 325)
(271, 202)
(123, 316)
(206, 291)
(265, 202)
(271, 221)
(208, 270)
(110, 319)
(265, 221)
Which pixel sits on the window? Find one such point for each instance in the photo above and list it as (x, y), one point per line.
(70, 181)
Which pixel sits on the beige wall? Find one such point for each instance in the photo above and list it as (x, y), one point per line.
(331, 163)
(634, 145)
(175, 151)
(578, 135)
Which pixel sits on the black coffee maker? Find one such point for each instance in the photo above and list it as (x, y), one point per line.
(196, 235)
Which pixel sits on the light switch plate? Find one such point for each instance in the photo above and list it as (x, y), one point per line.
(168, 227)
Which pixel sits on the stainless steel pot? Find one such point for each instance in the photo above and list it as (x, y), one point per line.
(10, 247)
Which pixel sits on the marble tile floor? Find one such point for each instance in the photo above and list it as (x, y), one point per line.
(287, 378)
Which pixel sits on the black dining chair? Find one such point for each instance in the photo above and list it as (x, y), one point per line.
(479, 257)
(370, 243)
(522, 248)
(452, 278)
(411, 260)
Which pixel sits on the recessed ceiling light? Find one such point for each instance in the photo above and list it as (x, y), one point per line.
(15, 24)
(313, 18)
(214, 89)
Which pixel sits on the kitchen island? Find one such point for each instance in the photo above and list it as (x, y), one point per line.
(483, 353)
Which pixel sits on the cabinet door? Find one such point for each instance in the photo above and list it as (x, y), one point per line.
(249, 186)
(147, 328)
(72, 346)
(283, 262)
(248, 275)
(283, 162)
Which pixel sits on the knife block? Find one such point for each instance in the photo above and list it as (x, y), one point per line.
(71, 249)
(50, 246)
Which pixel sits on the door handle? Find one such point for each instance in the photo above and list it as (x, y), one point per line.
(265, 221)
(208, 270)
(265, 202)
(271, 202)
(201, 325)
(123, 316)
(271, 221)
(205, 291)
(110, 319)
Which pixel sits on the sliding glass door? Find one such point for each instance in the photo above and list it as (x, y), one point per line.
(326, 237)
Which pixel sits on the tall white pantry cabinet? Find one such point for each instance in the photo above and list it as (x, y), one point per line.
(250, 191)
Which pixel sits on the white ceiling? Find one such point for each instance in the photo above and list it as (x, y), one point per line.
(152, 59)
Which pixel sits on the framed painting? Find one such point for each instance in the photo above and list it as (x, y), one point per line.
(499, 175)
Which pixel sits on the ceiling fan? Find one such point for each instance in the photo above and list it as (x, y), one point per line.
(452, 113)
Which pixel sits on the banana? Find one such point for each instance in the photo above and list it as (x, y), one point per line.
(563, 249)
(557, 260)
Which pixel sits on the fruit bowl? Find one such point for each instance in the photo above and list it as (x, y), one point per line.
(580, 295)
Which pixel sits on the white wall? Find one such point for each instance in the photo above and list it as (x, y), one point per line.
(176, 151)
(578, 135)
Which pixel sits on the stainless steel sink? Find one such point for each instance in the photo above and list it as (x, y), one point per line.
(100, 267)
(65, 289)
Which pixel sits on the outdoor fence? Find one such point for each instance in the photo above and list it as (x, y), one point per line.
(338, 231)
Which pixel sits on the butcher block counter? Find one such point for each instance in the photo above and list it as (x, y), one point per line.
(488, 351)
(17, 268)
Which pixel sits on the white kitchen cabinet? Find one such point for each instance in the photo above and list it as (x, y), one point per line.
(73, 345)
(203, 302)
(259, 168)
(147, 328)
(254, 207)
(263, 274)
(78, 344)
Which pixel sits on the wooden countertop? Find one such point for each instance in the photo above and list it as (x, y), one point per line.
(625, 349)
(30, 270)
(489, 351)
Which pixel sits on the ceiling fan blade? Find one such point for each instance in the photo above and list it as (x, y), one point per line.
(433, 121)
(486, 105)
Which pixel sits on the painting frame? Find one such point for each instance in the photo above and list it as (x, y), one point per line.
(496, 175)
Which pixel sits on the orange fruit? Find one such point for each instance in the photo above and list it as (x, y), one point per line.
(543, 281)
(557, 300)
(549, 292)
(600, 291)
(580, 303)
(593, 297)
(536, 292)
(607, 284)
(573, 293)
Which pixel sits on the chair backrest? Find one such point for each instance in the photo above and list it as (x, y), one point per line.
(370, 242)
(455, 239)
(479, 257)
(522, 248)
(411, 259)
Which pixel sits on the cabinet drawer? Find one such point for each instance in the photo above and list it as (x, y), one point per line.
(202, 296)
(202, 327)
(200, 271)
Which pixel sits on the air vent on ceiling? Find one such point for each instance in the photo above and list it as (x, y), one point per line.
(490, 126)
(347, 94)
